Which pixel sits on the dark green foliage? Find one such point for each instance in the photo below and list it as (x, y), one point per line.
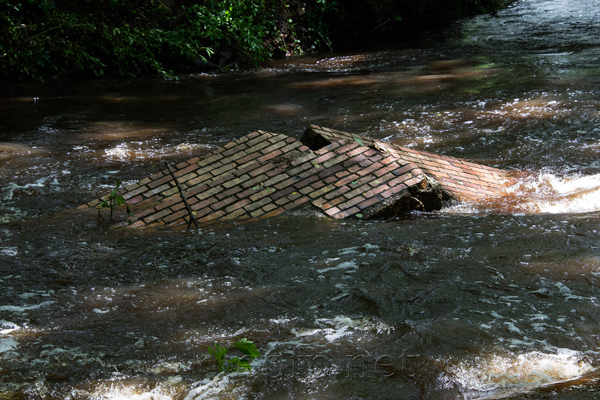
(50, 39)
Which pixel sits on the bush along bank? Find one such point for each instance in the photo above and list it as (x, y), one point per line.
(42, 40)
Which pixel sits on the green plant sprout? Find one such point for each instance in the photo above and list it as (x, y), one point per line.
(112, 202)
(227, 365)
(262, 187)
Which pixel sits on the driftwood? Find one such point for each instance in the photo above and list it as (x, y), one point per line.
(187, 206)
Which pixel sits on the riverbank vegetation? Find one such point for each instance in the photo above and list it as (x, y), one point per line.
(43, 40)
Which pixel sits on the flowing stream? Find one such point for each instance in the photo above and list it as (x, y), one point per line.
(489, 300)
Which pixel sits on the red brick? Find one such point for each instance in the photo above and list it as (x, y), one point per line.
(250, 157)
(323, 158)
(176, 216)
(354, 160)
(270, 149)
(238, 205)
(306, 181)
(202, 204)
(352, 202)
(222, 170)
(260, 193)
(306, 190)
(229, 192)
(194, 190)
(276, 171)
(354, 168)
(134, 200)
(158, 182)
(135, 192)
(212, 216)
(357, 151)
(167, 203)
(369, 202)
(236, 214)
(393, 190)
(357, 191)
(281, 201)
(296, 203)
(371, 168)
(255, 181)
(157, 215)
(299, 169)
(401, 179)
(347, 179)
(209, 193)
(221, 179)
(269, 156)
(347, 213)
(185, 170)
(282, 193)
(275, 179)
(208, 161)
(223, 203)
(192, 182)
(257, 204)
(303, 159)
(286, 183)
(331, 179)
(236, 181)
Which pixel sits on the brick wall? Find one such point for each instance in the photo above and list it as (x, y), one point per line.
(264, 174)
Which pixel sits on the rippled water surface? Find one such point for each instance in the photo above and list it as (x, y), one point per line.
(497, 299)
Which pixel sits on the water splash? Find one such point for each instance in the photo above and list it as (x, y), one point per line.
(499, 376)
(553, 194)
(120, 392)
(542, 193)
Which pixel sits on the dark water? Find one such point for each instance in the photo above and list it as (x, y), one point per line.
(495, 300)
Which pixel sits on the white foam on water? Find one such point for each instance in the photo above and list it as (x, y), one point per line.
(497, 375)
(121, 392)
(336, 328)
(21, 309)
(9, 251)
(351, 266)
(146, 150)
(221, 386)
(120, 152)
(8, 191)
(553, 194)
(7, 327)
(542, 193)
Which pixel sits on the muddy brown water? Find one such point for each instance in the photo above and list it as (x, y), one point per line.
(490, 300)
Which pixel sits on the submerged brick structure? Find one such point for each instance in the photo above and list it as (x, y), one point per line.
(344, 175)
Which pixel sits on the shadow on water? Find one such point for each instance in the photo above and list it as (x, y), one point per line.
(489, 300)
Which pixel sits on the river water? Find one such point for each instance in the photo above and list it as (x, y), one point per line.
(478, 301)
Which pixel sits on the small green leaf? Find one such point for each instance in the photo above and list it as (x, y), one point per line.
(359, 215)
(247, 347)
(359, 141)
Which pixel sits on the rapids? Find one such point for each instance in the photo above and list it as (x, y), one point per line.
(479, 301)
